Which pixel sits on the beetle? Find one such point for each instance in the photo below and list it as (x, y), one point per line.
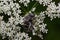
(28, 22)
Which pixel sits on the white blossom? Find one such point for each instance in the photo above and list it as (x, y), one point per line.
(12, 9)
(44, 2)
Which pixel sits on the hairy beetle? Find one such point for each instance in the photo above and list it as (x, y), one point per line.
(28, 22)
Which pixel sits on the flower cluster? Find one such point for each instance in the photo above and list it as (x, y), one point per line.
(53, 11)
(12, 28)
(44, 2)
(39, 26)
(25, 2)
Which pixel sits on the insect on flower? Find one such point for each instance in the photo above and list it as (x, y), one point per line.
(28, 22)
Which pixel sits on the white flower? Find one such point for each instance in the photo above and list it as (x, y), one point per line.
(44, 2)
(25, 2)
(12, 9)
(33, 9)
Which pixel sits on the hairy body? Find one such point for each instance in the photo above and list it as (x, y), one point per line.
(28, 22)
